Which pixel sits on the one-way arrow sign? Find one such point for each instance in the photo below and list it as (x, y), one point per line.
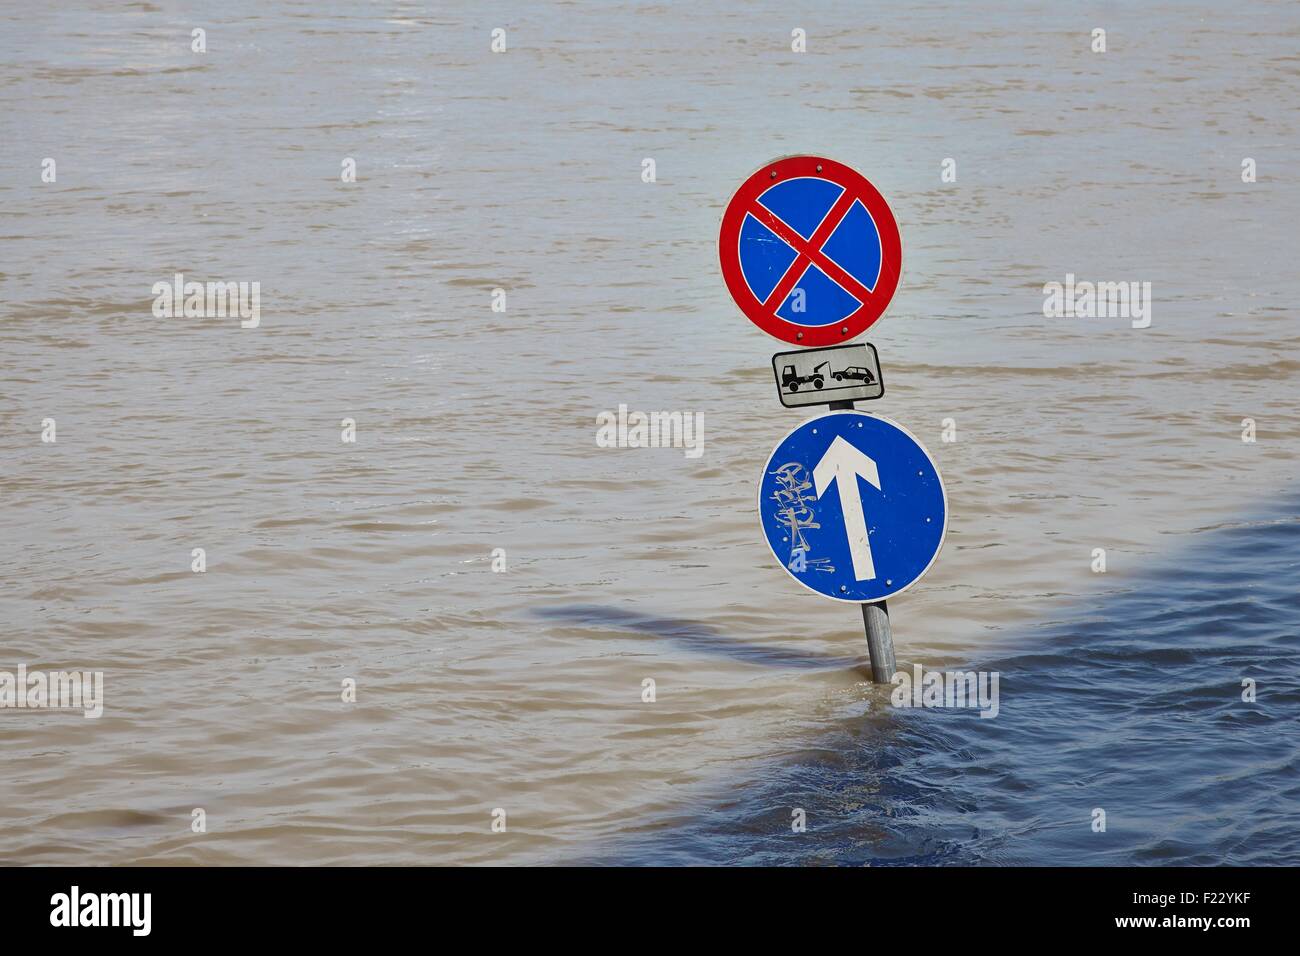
(843, 464)
(884, 526)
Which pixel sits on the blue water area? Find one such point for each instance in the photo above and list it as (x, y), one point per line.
(903, 507)
(1132, 705)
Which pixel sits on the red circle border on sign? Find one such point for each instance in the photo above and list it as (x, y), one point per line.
(856, 186)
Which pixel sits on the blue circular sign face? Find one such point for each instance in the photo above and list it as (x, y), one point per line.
(810, 251)
(853, 506)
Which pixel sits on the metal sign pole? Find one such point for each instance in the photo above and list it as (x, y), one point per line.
(880, 641)
(875, 618)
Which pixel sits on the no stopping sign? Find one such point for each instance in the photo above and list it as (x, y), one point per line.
(810, 251)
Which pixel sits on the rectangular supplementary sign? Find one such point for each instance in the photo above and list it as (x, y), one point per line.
(842, 373)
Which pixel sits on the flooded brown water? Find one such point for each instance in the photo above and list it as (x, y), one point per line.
(475, 429)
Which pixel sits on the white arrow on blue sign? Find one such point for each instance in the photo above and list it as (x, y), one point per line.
(853, 507)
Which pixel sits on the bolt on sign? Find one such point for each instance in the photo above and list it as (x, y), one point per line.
(810, 251)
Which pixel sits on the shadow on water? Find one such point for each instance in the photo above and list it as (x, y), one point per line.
(1133, 707)
(694, 636)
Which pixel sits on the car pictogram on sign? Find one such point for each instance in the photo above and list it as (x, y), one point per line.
(855, 373)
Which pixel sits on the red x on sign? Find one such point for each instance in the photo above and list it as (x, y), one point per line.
(810, 251)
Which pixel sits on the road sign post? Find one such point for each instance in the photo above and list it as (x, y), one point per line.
(851, 504)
